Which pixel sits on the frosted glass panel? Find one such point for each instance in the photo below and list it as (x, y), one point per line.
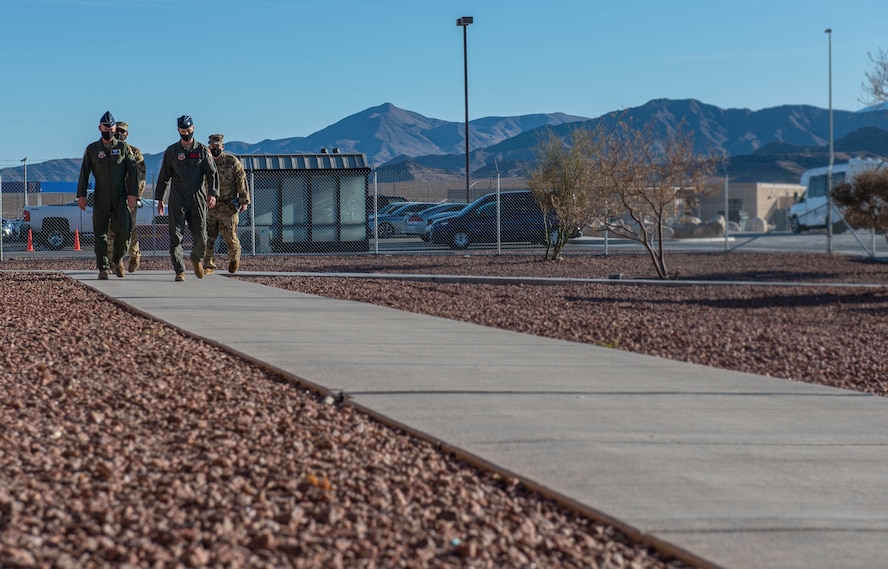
(323, 200)
(294, 197)
(354, 232)
(352, 195)
(294, 235)
(323, 234)
(264, 200)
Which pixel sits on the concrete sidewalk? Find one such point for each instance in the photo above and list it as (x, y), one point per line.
(743, 471)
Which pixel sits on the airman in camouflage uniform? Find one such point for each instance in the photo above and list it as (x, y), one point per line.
(112, 164)
(233, 198)
(135, 255)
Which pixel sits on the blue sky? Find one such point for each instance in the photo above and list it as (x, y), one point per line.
(270, 69)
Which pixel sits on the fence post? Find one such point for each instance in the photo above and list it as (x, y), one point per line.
(375, 214)
(499, 243)
(252, 211)
(1, 217)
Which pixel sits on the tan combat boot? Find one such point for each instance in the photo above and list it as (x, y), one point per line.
(134, 263)
(233, 265)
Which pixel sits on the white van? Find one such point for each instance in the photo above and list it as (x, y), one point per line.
(809, 212)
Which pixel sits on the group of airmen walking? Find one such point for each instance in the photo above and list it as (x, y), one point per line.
(207, 190)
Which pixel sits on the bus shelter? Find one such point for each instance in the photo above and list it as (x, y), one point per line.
(313, 203)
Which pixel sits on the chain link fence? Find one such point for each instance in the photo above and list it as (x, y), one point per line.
(444, 211)
(354, 210)
(374, 211)
(12, 202)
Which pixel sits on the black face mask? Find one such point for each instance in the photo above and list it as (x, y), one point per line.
(216, 152)
(187, 137)
(107, 135)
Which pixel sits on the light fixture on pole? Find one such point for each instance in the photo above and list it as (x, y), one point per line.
(829, 206)
(25, 175)
(464, 22)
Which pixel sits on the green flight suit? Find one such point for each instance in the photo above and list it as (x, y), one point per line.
(116, 175)
(191, 175)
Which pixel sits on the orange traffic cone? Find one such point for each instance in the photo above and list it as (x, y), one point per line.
(30, 241)
(76, 239)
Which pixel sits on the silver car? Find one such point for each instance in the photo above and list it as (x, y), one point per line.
(384, 210)
(416, 223)
(392, 223)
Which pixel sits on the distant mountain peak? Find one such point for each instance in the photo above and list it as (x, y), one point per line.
(395, 137)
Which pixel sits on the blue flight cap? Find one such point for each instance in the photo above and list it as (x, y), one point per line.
(185, 121)
(107, 119)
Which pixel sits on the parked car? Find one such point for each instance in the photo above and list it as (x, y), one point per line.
(416, 223)
(12, 230)
(392, 223)
(521, 220)
(382, 200)
(435, 217)
(6, 229)
(383, 210)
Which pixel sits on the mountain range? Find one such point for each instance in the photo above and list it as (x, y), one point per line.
(770, 145)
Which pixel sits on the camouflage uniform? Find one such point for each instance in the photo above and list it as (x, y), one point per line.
(116, 175)
(191, 175)
(134, 252)
(223, 219)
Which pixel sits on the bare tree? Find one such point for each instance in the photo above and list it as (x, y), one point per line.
(645, 175)
(875, 87)
(865, 200)
(562, 181)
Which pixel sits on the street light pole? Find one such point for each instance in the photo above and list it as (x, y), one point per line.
(1, 217)
(829, 206)
(464, 22)
(727, 221)
(25, 174)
